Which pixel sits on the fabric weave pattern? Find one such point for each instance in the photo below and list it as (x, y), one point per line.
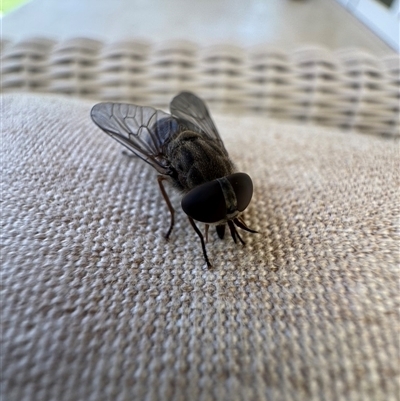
(96, 305)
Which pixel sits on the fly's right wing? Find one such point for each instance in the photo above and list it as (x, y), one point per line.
(190, 108)
(143, 130)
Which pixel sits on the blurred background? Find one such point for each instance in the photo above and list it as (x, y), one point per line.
(370, 25)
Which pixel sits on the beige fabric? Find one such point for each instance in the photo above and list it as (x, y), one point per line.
(347, 88)
(96, 305)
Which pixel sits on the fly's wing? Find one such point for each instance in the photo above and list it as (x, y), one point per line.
(143, 130)
(193, 110)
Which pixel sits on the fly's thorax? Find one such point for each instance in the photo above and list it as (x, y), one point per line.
(195, 159)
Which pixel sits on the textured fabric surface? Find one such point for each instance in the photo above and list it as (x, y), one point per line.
(96, 305)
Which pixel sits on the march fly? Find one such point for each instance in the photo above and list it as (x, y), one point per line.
(186, 149)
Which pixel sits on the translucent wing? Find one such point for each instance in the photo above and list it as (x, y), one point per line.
(143, 130)
(193, 110)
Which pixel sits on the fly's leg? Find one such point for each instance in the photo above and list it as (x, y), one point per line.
(221, 231)
(160, 179)
(203, 245)
(206, 227)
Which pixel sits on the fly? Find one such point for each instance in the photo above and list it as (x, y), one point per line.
(186, 149)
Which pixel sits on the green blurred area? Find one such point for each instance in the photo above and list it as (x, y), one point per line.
(387, 2)
(9, 5)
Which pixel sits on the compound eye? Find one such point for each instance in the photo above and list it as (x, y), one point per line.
(243, 187)
(205, 203)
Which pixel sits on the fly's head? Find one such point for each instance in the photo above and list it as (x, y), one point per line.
(221, 202)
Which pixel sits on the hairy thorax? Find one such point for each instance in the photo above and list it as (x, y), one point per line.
(196, 159)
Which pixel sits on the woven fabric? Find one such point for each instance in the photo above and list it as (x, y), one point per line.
(346, 89)
(97, 305)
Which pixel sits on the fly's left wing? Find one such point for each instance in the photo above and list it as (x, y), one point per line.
(190, 108)
(143, 130)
